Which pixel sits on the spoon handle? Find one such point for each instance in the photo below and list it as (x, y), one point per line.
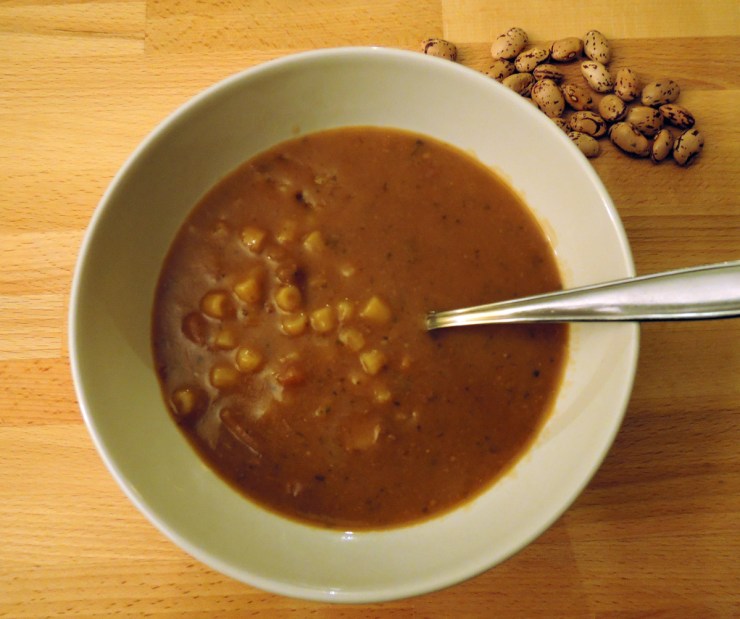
(711, 291)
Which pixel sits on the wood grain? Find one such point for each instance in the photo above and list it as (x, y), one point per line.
(654, 534)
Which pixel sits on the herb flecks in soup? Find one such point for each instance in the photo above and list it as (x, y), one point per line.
(288, 328)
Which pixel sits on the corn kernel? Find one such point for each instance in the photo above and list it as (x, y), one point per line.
(184, 401)
(373, 361)
(288, 298)
(225, 339)
(351, 338)
(345, 310)
(294, 324)
(249, 290)
(347, 270)
(323, 319)
(215, 304)
(376, 310)
(254, 238)
(314, 242)
(381, 394)
(224, 376)
(248, 360)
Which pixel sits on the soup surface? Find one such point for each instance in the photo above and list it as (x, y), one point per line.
(288, 328)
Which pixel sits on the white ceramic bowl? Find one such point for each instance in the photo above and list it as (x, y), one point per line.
(137, 219)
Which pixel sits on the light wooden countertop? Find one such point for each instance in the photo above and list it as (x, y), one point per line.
(656, 533)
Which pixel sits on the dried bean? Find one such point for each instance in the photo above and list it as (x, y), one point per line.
(646, 120)
(588, 122)
(677, 115)
(596, 47)
(439, 48)
(519, 82)
(500, 69)
(687, 147)
(660, 92)
(662, 146)
(547, 96)
(509, 44)
(565, 50)
(528, 60)
(597, 76)
(627, 85)
(629, 139)
(548, 71)
(586, 144)
(577, 97)
(612, 108)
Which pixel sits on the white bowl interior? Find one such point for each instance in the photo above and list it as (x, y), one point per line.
(137, 219)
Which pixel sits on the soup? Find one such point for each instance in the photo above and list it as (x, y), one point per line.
(288, 328)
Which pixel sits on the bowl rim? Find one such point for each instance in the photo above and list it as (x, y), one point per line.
(412, 587)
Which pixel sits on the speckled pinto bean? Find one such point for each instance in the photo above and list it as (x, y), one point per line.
(547, 96)
(687, 147)
(627, 84)
(612, 108)
(589, 123)
(577, 97)
(625, 137)
(548, 71)
(530, 58)
(596, 47)
(662, 146)
(565, 50)
(597, 76)
(585, 143)
(500, 69)
(677, 115)
(660, 92)
(439, 48)
(646, 120)
(520, 83)
(510, 44)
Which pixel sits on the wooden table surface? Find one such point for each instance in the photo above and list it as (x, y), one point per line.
(656, 533)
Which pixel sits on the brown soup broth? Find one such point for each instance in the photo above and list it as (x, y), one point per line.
(288, 328)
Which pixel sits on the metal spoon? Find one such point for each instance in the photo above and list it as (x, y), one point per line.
(699, 293)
